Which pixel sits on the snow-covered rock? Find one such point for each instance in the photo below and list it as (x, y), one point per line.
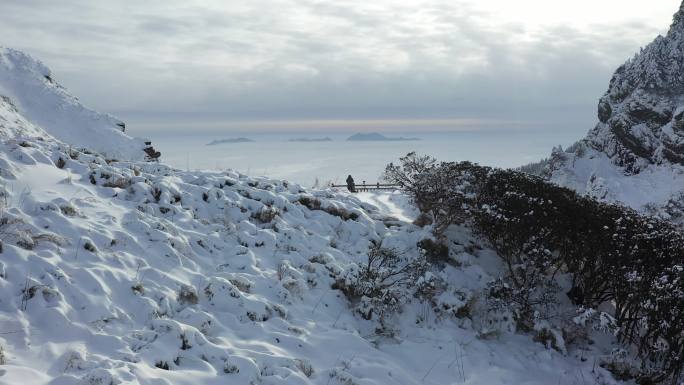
(641, 116)
(28, 87)
(635, 154)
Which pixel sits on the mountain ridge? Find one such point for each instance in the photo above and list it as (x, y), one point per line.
(635, 153)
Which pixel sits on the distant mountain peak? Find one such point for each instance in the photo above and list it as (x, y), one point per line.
(377, 137)
(229, 140)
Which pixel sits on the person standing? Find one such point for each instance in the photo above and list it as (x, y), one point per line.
(351, 186)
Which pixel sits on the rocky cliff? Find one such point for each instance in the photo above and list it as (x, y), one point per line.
(641, 116)
(635, 153)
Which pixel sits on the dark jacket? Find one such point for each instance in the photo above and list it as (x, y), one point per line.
(350, 184)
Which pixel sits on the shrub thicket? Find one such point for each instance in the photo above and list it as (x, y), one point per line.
(613, 254)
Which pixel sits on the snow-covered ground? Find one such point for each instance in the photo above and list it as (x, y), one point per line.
(100, 284)
(126, 272)
(597, 176)
(393, 204)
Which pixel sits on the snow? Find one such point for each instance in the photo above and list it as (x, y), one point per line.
(29, 85)
(259, 312)
(597, 176)
(393, 204)
(138, 273)
(634, 155)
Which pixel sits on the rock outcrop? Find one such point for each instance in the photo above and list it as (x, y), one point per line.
(635, 153)
(641, 116)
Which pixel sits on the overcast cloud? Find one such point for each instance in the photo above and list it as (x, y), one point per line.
(307, 64)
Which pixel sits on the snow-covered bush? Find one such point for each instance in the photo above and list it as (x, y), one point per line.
(441, 190)
(435, 251)
(614, 256)
(384, 283)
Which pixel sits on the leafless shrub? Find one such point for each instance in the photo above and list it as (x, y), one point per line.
(60, 162)
(138, 288)
(267, 214)
(187, 296)
(120, 182)
(384, 283)
(310, 202)
(68, 210)
(88, 245)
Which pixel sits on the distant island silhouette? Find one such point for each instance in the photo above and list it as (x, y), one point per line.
(376, 137)
(326, 139)
(229, 140)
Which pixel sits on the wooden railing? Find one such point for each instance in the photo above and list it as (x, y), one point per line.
(363, 187)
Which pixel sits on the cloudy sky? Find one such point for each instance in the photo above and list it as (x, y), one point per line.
(311, 64)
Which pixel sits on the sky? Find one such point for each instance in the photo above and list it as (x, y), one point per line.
(357, 65)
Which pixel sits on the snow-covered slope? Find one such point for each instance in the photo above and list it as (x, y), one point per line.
(114, 273)
(126, 272)
(656, 189)
(13, 125)
(635, 154)
(28, 86)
